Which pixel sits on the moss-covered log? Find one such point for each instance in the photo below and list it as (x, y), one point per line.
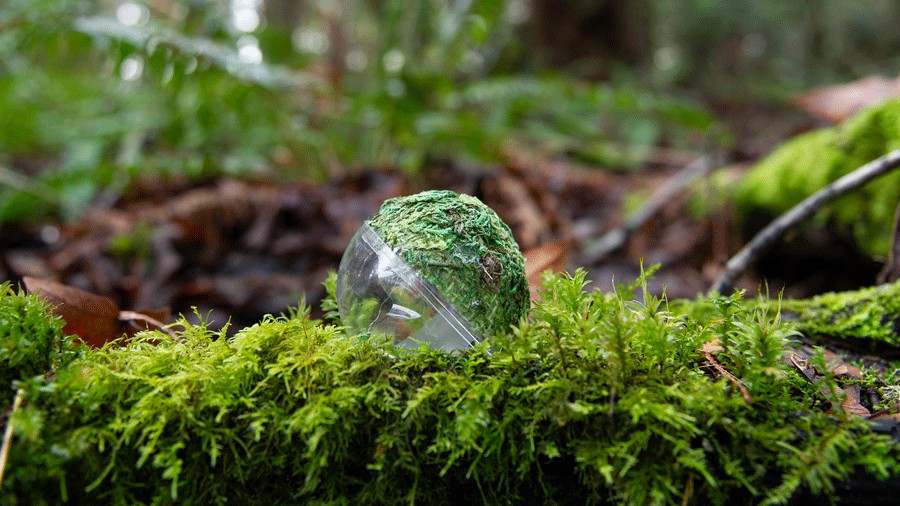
(869, 315)
(596, 398)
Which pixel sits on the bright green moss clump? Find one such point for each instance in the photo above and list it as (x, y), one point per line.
(31, 341)
(809, 162)
(463, 248)
(597, 398)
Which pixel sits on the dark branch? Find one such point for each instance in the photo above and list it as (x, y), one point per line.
(767, 236)
(615, 239)
(891, 271)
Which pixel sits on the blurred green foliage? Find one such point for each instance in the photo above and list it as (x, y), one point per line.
(732, 47)
(95, 93)
(98, 93)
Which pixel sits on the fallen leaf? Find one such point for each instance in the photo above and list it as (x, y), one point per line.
(93, 318)
(837, 103)
(551, 256)
(851, 400)
(801, 363)
(713, 346)
(514, 203)
(838, 367)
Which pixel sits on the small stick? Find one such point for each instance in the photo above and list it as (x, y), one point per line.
(891, 270)
(7, 437)
(616, 238)
(133, 316)
(730, 377)
(767, 236)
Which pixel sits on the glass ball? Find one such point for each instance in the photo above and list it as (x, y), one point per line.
(379, 293)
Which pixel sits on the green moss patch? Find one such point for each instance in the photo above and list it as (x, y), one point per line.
(597, 398)
(465, 250)
(871, 314)
(31, 341)
(811, 161)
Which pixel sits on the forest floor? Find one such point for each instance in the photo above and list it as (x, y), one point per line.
(237, 249)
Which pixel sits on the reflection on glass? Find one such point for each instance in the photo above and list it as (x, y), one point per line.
(379, 293)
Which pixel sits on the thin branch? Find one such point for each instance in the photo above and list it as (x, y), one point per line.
(132, 316)
(616, 238)
(767, 237)
(891, 271)
(710, 350)
(7, 436)
(730, 377)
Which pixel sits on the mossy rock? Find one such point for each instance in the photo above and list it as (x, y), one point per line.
(597, 398)
(809, 162)
(465, 250)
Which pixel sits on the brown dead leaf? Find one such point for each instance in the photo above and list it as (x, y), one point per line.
(851, 400)
(511, 199)
(838, 367)
(93, 318)
(551, 256)
(851, 397)
(837, 103)
(713, 346)
(801, 362)
(851, 394)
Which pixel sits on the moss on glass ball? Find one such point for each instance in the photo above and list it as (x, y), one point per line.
(464, 249)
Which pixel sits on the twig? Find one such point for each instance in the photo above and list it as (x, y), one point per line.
(891, 271)
(730, 377)
(132, 316)
(767, 237)
(616, 238)
(7, 437)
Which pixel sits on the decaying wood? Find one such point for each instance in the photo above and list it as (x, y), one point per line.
(891, 270)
